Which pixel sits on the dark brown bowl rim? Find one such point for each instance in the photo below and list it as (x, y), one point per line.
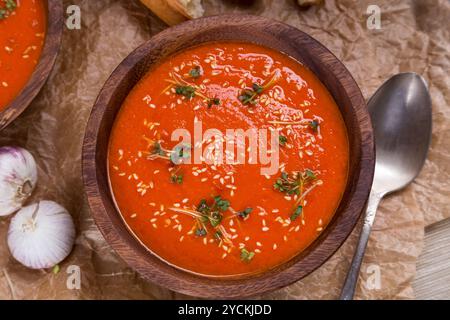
(44, 67)
(151, 267)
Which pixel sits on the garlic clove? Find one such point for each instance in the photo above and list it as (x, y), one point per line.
(41, 235)
(18, 178)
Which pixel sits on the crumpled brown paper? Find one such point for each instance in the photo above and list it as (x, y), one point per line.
(414, 37)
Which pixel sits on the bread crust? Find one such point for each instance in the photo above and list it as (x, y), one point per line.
(166, 12)
(176, 5)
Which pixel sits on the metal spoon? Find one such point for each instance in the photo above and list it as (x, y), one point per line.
(401, 116)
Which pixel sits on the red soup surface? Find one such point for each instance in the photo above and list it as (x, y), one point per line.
(22, 33)
(215, 216)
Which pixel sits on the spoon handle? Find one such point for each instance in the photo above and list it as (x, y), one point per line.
(348, 290)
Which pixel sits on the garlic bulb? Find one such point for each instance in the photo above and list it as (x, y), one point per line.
(18, 177)
(41, 235)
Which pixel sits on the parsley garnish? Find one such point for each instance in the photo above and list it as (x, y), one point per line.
(176, 155)
(246, 255)
(244, 213)
(297, 212)
(176, 178)
(187, 91)
(314, 125)
(195, 72)
(212, 213)
(282, 140)
(249, 96)
(295, 184)
(200, 232)
(213, 101)
(8, 7)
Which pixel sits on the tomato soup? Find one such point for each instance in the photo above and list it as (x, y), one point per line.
(22, 33)
(213, 215)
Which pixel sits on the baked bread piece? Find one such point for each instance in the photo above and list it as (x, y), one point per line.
(173, 12)
(191, 9)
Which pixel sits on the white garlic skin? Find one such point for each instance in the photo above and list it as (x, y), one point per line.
(18, 178)
(41, 235)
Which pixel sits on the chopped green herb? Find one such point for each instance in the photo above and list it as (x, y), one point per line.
(211, 213)
(218, 234)
(203, 207)
(200, 232)
(187, 91)
(283, 140)
(176, 178)
(314, 125)
(177, 155)
(195, 72)
(156, 150)
(244, 213)
(220, 203)
(215, 218)
(246, 256)
(257, 88)
(8, 7)
(293, 183)
(247, 97)
(213, 101)
(310, 174)
(297, 212)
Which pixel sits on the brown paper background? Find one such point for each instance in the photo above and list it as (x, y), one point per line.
(414, 37)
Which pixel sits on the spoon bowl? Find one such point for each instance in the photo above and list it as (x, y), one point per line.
(401, 119)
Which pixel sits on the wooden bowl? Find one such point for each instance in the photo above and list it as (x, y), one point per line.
(43, 68)
(246, 28)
